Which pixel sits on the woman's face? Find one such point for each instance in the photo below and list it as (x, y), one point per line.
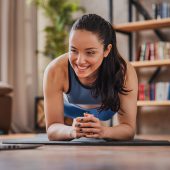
(86, 53)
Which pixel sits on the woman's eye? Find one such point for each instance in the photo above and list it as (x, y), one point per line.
(90, 52)
(73, 51)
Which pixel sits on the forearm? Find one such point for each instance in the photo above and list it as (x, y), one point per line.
(59, 131)
(119, 132)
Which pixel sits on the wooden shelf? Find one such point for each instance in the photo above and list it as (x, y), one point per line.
(153, 103)
(143, 25)
(154, 63)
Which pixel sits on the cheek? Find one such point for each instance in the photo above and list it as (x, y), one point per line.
(94, 61)
(71, 58)
(98, 60)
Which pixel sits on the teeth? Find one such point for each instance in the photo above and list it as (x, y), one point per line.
(81, 68)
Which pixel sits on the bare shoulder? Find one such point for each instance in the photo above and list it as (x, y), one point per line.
(130, 68)
(58, 64)
(57, 71)
(131, 79)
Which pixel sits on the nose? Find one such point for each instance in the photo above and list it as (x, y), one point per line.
(81, 59)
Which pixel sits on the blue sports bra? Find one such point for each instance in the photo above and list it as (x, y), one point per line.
(81, 94)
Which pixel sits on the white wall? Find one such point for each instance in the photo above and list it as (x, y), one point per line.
(120, 15)
(43, 61)
(97, 7)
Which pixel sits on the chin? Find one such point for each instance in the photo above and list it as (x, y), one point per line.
(82, 75)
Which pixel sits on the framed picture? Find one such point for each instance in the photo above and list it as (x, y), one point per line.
(39, 114)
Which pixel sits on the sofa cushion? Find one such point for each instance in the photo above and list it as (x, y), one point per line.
(5, 88)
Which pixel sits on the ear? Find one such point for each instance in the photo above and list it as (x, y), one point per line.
(108, 49)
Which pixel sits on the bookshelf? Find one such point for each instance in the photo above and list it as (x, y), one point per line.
(148, 63)
(129, 28)
(143, 25)
(153, 103)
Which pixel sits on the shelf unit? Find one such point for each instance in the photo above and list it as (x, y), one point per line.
(128, 29)
(143, 25)
(153, 103)
(154, 63)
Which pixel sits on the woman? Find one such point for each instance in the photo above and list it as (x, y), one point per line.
(96, 82)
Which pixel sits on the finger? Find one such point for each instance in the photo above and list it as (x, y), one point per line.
(79, 135)
(79, 119)
(78, 125)
(87, 114)
(87, 119)
(92, 136)
(88, 125)
(78, 130)
(90, 130)
(91, 118)
(74, 122)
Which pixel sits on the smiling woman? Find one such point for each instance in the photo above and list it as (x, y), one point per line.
(96, 82)
(86, 54)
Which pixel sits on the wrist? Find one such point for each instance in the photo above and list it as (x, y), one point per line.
(104, 132)
(72, 133)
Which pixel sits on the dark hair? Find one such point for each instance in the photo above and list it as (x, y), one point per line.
(113, 68)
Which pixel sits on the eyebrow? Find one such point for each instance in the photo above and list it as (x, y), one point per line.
(91, 48)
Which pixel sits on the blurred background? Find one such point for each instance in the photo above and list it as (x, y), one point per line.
(33, 32)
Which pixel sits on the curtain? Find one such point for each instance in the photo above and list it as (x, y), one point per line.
(18, 66)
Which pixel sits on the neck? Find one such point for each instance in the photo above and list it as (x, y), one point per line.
(90, 79)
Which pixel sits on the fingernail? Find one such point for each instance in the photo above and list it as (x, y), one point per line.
(78, 125)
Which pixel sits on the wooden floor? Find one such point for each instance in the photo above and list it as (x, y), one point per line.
(88, 157)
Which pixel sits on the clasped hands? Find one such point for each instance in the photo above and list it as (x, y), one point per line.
(87, 126)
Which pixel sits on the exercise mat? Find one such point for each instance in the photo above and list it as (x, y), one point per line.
(42, 139)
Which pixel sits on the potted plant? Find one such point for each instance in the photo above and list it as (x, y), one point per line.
(59, 13)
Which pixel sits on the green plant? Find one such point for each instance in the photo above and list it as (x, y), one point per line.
(59, 12)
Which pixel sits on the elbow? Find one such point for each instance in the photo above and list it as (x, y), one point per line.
(50, 137)
(51, 133)
(131, 133)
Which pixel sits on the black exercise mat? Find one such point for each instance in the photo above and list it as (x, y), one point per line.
(88, 142)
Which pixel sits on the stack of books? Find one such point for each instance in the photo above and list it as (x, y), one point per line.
(156, 91)
(153, 51)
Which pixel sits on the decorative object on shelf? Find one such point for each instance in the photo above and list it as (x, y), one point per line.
(60, 14)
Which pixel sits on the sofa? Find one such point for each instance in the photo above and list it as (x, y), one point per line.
(5, 107)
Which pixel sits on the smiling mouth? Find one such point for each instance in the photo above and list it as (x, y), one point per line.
(80, 68)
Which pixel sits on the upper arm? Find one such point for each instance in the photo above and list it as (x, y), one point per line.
(128, 103)
(53, 88)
